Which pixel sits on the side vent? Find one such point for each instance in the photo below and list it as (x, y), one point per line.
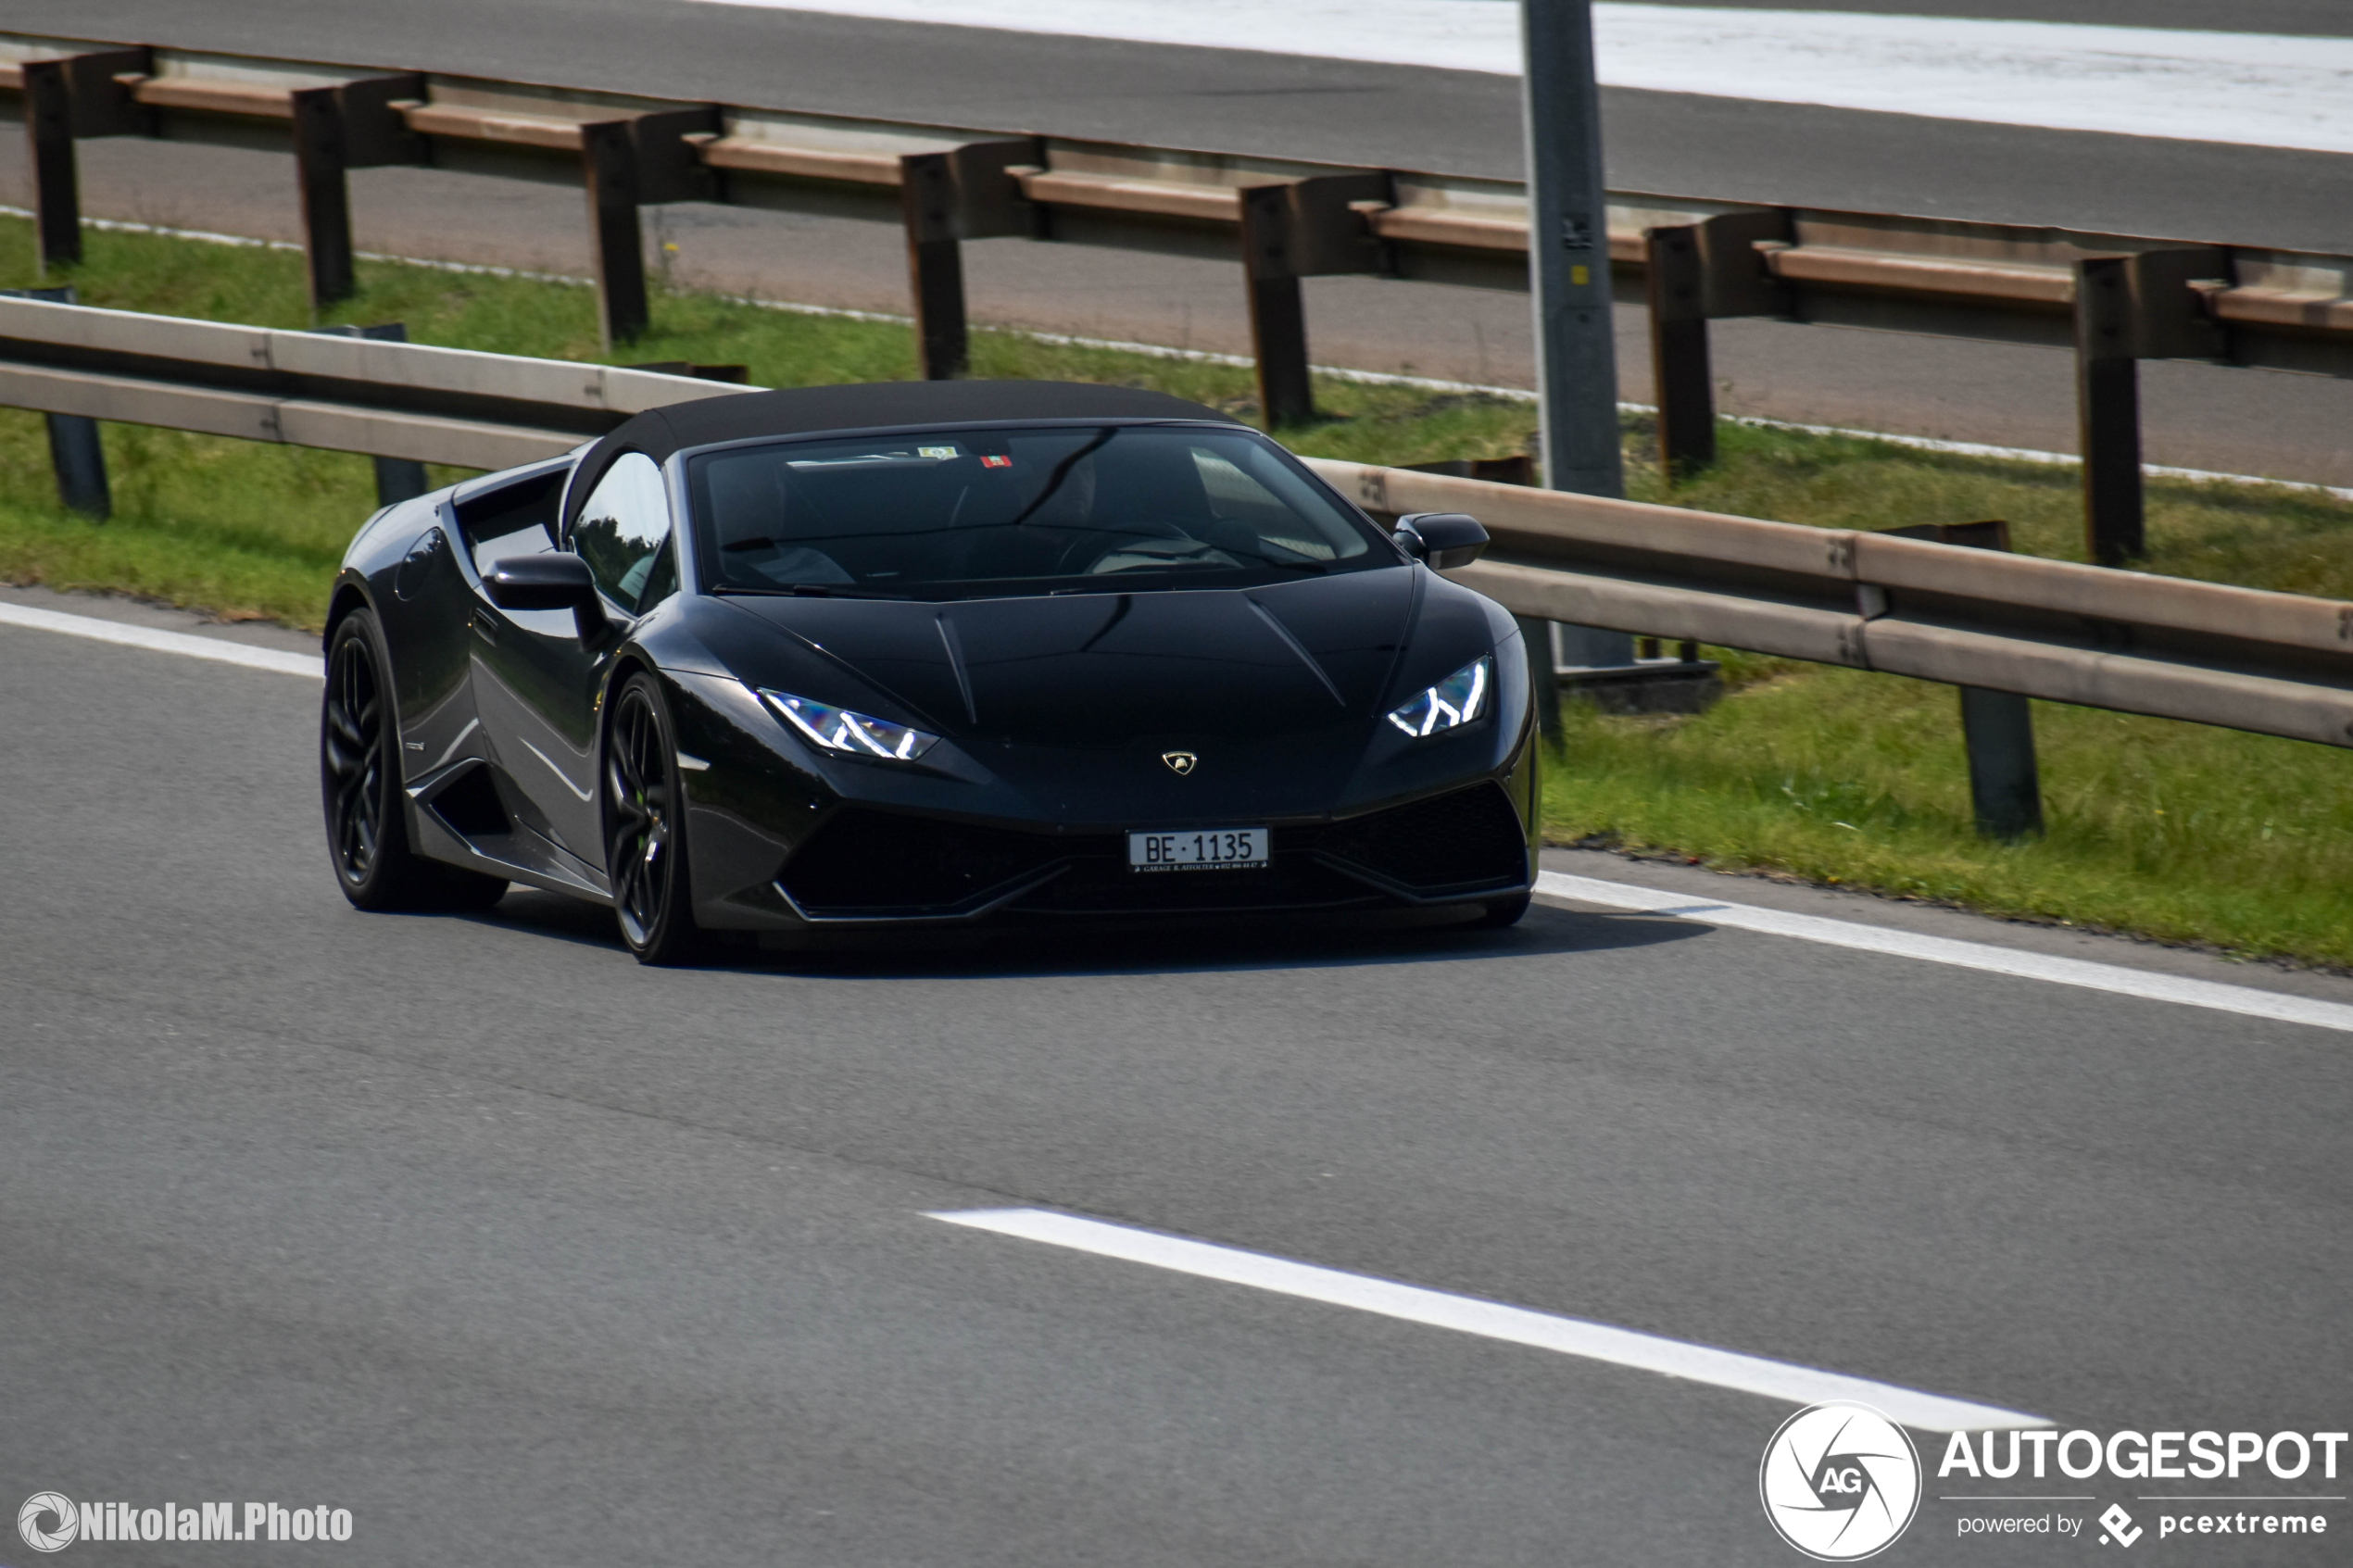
(469, 804)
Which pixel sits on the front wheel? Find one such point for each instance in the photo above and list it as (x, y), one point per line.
(645, 829)
(359, 781)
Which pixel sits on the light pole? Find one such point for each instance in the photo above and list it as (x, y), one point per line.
(1568, 277)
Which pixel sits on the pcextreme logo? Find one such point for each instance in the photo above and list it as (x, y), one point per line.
(1840, 1481)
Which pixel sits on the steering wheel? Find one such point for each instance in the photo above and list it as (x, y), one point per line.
(1086, 554)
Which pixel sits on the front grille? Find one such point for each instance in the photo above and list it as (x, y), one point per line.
(874, 863)
(1103, 884)
(1469, 839)
(864, 862)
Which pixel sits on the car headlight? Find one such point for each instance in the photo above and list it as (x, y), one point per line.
(1457, 700)
(838, 729)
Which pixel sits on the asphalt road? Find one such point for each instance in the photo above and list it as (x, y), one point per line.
(1345, 111)
(526, 1255)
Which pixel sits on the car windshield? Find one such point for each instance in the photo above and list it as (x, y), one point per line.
(986, 513)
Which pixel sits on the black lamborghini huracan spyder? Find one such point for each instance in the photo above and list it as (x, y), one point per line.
(923, 653)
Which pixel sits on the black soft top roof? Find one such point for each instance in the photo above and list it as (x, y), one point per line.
(804, 410)
(810, 410)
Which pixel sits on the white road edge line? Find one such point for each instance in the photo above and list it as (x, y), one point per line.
(1489, 1320)
(2091, 976)
(149, 637)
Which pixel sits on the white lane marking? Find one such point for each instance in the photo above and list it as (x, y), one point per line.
(1490, 1320)
(1945, 949)
(2252, 89)
(157, 641)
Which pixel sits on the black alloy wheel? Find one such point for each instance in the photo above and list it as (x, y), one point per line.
(360, 781)
(645, 829)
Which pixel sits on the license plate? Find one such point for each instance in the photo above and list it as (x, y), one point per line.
(1223, 849)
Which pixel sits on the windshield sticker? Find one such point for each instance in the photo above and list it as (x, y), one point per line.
(935, 452)
(995, 460)
(870, 460)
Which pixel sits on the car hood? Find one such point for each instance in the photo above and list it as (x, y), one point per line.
(1073, 700)
(1106, 671)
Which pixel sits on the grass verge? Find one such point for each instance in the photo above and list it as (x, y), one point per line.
(2169, 831)
(2180, 832)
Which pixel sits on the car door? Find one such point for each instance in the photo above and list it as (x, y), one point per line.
(538, 672)
(423, 619)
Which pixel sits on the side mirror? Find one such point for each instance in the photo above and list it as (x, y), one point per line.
(1445, 540)
(554, 581)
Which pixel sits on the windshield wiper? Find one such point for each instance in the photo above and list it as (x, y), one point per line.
(1062, 471)
(806, 591)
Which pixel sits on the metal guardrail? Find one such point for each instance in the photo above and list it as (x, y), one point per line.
(2240, 659)
(2276, 664)
(341, 394)
(2114, 299)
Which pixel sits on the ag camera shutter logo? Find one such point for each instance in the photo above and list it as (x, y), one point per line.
(1840, 1481)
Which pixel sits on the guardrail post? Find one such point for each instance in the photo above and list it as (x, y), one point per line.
(65, 99)
(2145, 306)
(935, 265)
(2108, 393)
(2004, 784)
(80, 462)
(1679, 351)
(57, 198)
(1301, 228)
(1696, 272)
(967, 193)
(397, 479)
(608, 155)
(1997, 728)
(75, 454)
(338, 129)
(321, 162)
(629, 163)
(1277, 312)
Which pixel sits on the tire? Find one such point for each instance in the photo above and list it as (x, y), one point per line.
(645, 829)
(360, 786)
(1502, 912)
